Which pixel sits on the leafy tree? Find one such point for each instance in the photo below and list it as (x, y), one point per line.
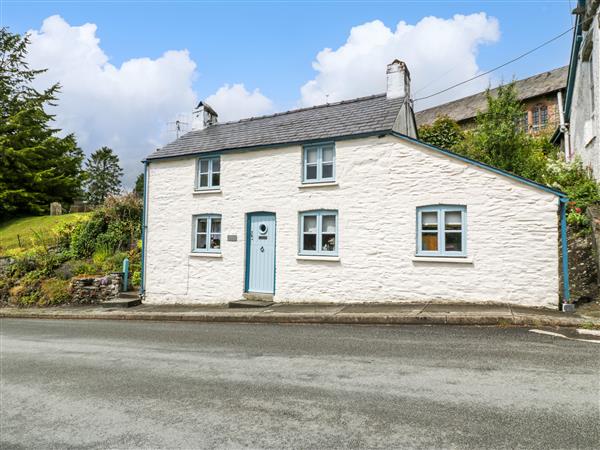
(139, 185)
(443, 132)
(499, 141)
(103, 175)
(36, 166)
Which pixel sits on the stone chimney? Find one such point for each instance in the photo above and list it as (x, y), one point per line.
(398, 80)
(203, 116)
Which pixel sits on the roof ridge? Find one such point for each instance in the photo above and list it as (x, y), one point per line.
(306, 108)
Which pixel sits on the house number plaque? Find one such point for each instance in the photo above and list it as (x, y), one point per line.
(232, 237)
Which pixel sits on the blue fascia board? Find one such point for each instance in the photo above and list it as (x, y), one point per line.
(485, 166)
(144, 231)
(577, 38)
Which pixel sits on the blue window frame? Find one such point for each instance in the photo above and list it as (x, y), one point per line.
(207, 233)
(208, 173)
(442, 230)
(319, 233)
(318, 163)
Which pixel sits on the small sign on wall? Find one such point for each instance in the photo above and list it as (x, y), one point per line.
(232, 237)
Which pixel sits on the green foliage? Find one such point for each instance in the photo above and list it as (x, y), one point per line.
(443, 132)
(21, 233)
(574, 180)
(498, 141)
(139, 185)
(103, 175)
(116, 225)
(36, 166)
(136, 278)
(54, 291)
(83, 237)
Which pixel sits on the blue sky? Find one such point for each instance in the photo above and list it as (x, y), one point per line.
(271, 46)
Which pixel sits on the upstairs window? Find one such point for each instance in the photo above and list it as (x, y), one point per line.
(207, 233)
(318, 233)
(441, 230)
(318, 163)
(209, 173)
(540, 117)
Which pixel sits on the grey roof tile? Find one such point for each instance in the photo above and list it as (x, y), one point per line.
(468, 107)
(347, 118)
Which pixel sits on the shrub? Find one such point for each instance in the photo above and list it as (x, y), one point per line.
(136, 278)
(54, 292)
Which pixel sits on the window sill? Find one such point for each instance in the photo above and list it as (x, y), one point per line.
(205, 255)
(444, 259)
(318, 184)
(207, 191)
(317, 258)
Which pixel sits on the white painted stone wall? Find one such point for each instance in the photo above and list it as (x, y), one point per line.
(585, 109)
(512, 228)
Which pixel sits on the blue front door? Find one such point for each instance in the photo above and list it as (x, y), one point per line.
(260, 264)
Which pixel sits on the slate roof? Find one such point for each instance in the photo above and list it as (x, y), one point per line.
(468, 107)
(348, 118)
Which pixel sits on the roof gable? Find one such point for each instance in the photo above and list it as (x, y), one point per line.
(484, 166)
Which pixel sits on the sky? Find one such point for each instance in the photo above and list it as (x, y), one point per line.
(130, 69)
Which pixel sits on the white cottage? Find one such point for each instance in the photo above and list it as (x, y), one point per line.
(341, 203)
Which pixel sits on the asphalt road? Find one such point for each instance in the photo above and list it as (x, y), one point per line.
(99, 384)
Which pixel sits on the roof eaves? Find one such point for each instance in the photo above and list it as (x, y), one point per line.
(485, 166)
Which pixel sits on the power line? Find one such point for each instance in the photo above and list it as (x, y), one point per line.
(497, 67)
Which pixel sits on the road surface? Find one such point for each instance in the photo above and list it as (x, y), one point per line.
(121, 384)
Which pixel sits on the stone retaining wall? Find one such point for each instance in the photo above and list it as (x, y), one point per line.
(96, 289)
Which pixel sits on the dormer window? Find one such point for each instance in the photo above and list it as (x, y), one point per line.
(209, 173)
(318, 163)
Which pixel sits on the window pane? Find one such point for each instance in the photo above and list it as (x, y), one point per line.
(328, 225)
(311, 172)
(429, 242)
(311, 155)
(204, 166)
(215, 225)
(215, 240)
(310, 224)
(201, 226)
(328, 242)
(327, 154)
(328, 170)
(204, 180)
(201, 241)
(453, 220)
(216, 165)
(309, 242)
(216, 179)
(429, 220)
(454, 242)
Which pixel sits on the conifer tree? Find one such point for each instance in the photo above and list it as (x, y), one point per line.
(103, 175)
(37, 166)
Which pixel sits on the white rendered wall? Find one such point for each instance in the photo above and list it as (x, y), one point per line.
(585, 120)
(512, 228)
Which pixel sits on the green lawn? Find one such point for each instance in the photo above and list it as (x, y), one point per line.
(23, 229)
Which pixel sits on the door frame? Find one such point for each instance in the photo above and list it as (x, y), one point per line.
(249, 216)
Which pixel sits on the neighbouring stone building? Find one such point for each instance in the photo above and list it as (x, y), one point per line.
(539, 94)
(580, 134)
(341, 203)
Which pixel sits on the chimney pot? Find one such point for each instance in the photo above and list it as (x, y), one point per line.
(398, 80)
(203, 116)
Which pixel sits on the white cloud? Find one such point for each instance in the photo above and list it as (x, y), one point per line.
(126, 108)
(438, 52)
(235, 102)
